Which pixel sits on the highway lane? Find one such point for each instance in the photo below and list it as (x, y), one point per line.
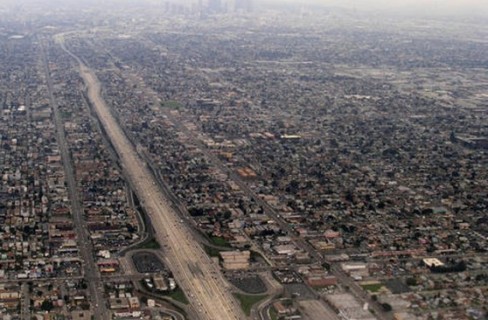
(208, 293)
(271, 212)
(343, 278)
(242, 184)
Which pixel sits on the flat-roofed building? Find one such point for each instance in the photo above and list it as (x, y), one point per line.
(235, 260)
(160, 283)
(432, 262)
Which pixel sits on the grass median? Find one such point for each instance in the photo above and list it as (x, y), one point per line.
(248, 301)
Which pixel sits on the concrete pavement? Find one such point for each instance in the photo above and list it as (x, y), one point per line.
(208, 292)
(86, 251)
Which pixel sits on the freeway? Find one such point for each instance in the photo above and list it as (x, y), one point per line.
(196, 273)
(343, 278)
(269, 210)
(91, 273)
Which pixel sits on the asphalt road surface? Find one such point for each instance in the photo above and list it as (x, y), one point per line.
(91, 273)
(201, 280)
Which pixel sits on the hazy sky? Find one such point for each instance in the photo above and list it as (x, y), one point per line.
(397, 3)
(421, 6)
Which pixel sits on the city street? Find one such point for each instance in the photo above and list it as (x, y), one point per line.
(190, 265)
(90, 269)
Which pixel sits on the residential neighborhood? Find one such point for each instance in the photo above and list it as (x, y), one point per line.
(233, 160)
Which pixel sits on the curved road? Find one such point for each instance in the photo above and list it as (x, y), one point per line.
(208, 292)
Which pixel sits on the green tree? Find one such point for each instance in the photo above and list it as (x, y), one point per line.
(47, 305)
(386, 307)
(411, 282)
